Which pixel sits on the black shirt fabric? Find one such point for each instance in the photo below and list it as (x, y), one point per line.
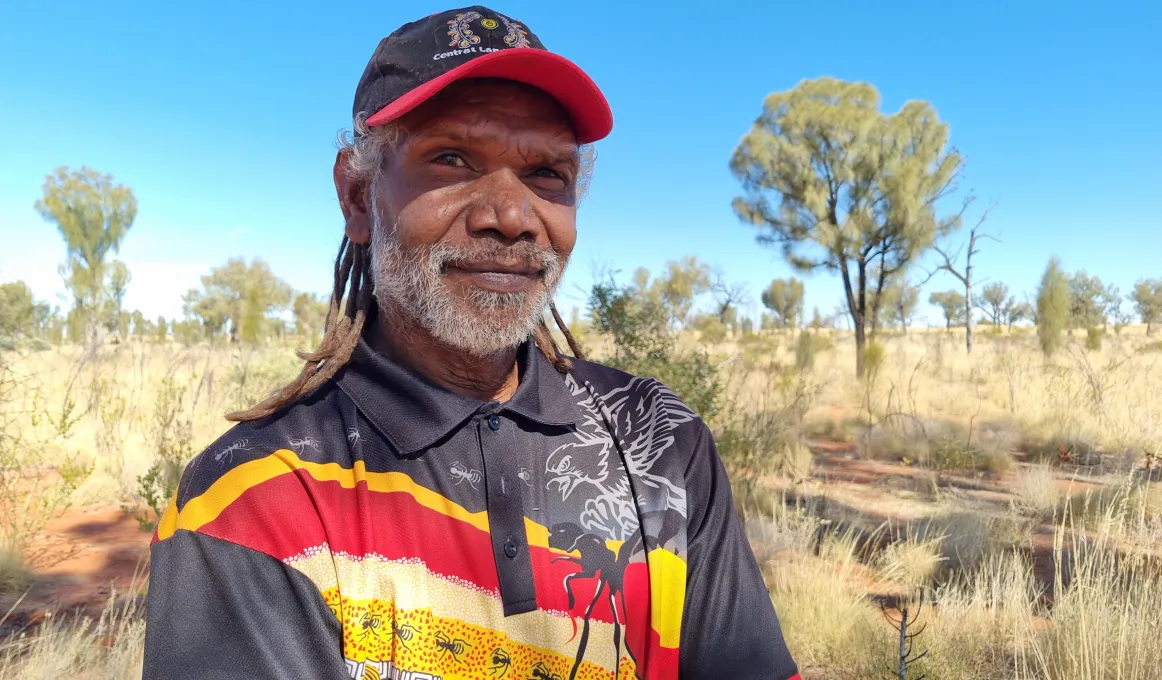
(389, 528)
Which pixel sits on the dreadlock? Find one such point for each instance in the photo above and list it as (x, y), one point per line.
(345, 323)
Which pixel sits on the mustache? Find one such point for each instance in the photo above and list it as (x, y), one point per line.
(442, 256)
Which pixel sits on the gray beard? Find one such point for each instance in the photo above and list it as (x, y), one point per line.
(481, 324)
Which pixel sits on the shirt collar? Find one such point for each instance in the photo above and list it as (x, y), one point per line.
(413, 413)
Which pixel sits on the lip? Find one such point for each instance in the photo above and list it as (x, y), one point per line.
(496, 268)
(498, 278)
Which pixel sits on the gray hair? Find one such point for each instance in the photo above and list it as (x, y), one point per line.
(367, 146)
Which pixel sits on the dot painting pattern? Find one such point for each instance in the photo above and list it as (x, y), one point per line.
(401, 620)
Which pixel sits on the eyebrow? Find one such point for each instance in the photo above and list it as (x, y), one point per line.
(571, 154)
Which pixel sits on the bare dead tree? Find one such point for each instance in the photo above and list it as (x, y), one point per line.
(728, 295)
(964, 275)
(904, 624)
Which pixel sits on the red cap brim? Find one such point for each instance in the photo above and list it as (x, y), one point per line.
(556, 75)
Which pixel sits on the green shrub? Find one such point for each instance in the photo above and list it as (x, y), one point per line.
(874, 355)
(1053, 308)
(711, 330)
(805, 351)
(995, 462)
(172, 430)
(1093, 338)
(188, 332)
(256, 375)
(645, 344)
(15, 577)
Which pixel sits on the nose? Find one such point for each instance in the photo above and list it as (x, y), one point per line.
(503, 208)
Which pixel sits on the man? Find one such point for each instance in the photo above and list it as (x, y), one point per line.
(442, 493)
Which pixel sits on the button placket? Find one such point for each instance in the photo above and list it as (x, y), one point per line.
(506, 514)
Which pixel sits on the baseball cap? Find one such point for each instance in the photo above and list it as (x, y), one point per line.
(423, 57)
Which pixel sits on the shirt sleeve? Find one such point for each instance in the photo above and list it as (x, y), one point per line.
(218, 610)
(729, 626)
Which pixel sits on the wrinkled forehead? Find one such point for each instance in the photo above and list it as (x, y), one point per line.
(493, 108)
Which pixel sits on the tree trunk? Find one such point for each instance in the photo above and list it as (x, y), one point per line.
(876, 300)
(859, 317)
(860, 343)
(968, 318)
(856, 306)
(968, 300)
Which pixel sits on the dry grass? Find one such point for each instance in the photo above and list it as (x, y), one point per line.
(104, 411)
(1106, 623)
(981, 620)
(932, 406)
(984, 620)
(1036, 489)
(15, 576)
(910, 564)
(78, 430)
(108, 648)
(828, 622)
(103, 421)
(1111, 398)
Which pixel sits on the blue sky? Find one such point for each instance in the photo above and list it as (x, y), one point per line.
(222, 116)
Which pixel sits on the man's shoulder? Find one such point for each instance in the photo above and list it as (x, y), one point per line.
(247, 452)
(634, 401)
(600, 374)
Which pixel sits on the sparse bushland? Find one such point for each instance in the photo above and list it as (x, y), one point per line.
(975, 507)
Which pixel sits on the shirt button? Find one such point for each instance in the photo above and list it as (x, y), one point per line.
(511, 549)
(494, 423)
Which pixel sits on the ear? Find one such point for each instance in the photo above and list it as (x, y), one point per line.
(353, 202)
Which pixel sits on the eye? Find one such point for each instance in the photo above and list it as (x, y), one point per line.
(547, 173)
(450, 159)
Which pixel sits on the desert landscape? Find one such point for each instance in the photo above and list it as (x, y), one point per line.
(1011, 501)
(902, 261)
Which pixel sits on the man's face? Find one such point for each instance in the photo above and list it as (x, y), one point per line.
(473, 216)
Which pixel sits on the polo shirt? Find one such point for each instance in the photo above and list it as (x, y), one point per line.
(386, 527)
